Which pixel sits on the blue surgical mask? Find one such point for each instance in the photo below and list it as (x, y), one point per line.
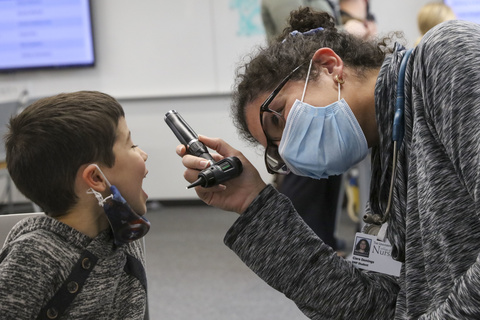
(319, 142)
(126, 225)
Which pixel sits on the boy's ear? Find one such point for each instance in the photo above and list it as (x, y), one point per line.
(93, 178)
(328, 61)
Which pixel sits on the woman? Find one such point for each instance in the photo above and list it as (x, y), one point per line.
(362, 248)
(431, 214)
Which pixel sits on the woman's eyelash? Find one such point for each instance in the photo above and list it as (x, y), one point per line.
(135, 145)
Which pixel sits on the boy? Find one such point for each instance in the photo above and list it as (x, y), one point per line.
(62, 153)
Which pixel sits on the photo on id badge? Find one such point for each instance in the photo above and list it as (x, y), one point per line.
(362, 247)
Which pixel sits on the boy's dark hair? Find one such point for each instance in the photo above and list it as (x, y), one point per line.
(49, 141)
(271, 64)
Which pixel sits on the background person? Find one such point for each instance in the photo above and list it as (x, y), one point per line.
(436, 170)
(275, 13)
(432, 14)
(357, 18)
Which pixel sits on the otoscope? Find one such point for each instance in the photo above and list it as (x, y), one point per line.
(218, 172)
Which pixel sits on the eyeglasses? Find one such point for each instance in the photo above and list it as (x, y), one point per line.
(273, 123)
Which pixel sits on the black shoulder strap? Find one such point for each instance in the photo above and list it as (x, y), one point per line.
(70, 287)
(57, 305)
(135, 268)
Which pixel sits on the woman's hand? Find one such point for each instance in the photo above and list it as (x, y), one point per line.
(235, 194)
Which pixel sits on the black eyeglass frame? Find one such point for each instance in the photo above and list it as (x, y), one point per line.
(271, 147)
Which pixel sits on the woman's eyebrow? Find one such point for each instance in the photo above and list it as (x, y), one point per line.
(277, 103)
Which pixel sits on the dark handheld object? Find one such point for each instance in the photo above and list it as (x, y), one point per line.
(186, 135)
(219, 172)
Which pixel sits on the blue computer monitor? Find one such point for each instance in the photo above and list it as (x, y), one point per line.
(465, 9)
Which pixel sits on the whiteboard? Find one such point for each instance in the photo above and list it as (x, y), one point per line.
(154, 48)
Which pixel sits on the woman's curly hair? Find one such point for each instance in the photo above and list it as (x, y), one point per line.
(267, 66)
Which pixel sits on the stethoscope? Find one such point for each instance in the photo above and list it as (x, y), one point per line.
(398, 133)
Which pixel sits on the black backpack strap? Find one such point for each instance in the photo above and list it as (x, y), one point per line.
(134, 267)
(57, 305)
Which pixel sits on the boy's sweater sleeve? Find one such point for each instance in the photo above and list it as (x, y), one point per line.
(273, 240)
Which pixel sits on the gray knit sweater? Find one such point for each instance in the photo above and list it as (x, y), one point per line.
(39, 254)
(434, 226)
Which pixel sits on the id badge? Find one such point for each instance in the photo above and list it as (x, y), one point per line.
(371, 254)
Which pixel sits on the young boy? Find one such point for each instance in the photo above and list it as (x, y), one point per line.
(62, 153)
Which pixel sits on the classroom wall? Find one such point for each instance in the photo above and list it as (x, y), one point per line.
(157, 55)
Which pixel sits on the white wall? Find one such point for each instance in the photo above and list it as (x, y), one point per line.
(151, 62)
(398, 15)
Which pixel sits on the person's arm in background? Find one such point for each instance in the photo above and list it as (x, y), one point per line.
(275, 13)
(329, 6)
(357, 28)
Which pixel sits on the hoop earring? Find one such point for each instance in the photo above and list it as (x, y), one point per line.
(340, 81)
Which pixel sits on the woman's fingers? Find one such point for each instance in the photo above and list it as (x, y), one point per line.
(181, 150)
(233, 195)
(219, 146)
